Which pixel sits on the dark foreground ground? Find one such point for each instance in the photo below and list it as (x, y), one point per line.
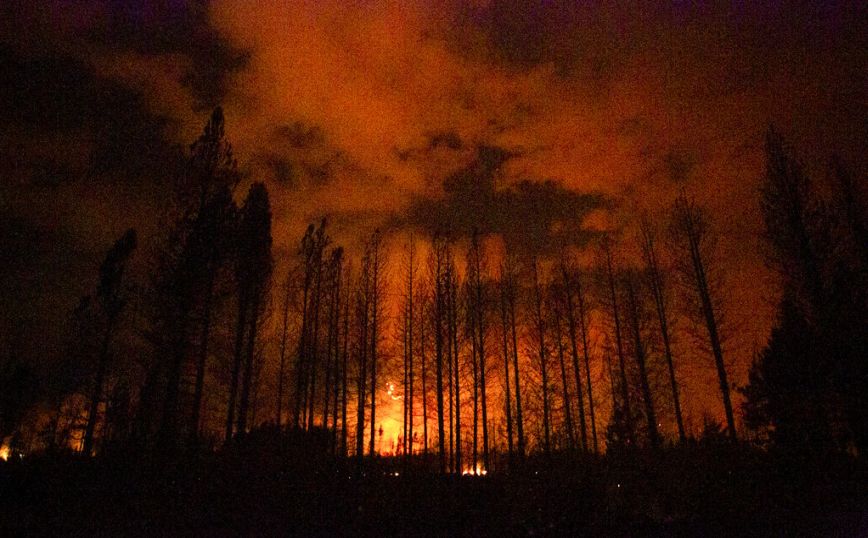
(270, 488)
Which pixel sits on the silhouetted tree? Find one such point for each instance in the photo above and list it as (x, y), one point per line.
(409, 348)
(345, 361)
(477, 309)
(452, 316)
(253, 275)
(692, 239)
(423, 359)
(658, 290)
(504, 333)
(213, 171)
(188, 266)
(808, 384)
(635, 323)
(559, 338)
(511, 291)
(437, 270)
(540, 323)
(111, 298)
(284, 334)
(377, 261)
(333, 298)
(569, 308)
(363, 309)
(623, 410)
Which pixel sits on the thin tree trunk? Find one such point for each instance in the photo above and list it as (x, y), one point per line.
(625, 395)
(300, 367)
(639, 349)
(375, 306)
(96, 395)
(280, 374)
(248, 368)
(314, 342)
(363, 351)
(658, 292)
(346, 360)
(438, 349)
(337, 359)
(475, 376)
(422, 358)
(507, 397)
(708, 312)
(241, 324)
(568, 416)
(571, 329)
(480, 324)
(454, 331)
(405, 382)
(542, 359)
(410, 399)
(331, 353)
(519, 421)
(580, 295)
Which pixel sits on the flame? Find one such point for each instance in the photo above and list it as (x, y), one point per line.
(474, 471)
(4, 452)
(391, 391)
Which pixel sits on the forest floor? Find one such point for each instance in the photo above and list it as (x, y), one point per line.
(268, 488)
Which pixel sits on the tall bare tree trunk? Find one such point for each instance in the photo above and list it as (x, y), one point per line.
(240, 326)
(439, 306)
(519, 420)
(375, 310)
(639, 350)
(284, 329)
(568, 416)
(422, 358)
(307, 247)
(504, 324)
(410, 398)
(475, 376)
(344, 369)
(625, 394)
(541, 339)
(364, 305)
(248, 365)
(453, 324)
(583, 326)
(693, 233)
(313, 356)
(571, 330)
(96, 395)
(480, 327)
(649, 252)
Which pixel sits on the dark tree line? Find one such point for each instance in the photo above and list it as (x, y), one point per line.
(146, 365)
(808, 386)
(575, 350)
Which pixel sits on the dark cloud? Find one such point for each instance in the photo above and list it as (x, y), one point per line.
(163, 30)
(447, 139)
(300, 155)
(530, 215)
(175, 27)
(300, 135)
(103, 128)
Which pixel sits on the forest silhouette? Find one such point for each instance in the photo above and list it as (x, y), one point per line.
(525, 385)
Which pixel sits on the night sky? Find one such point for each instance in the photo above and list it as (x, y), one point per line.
(387, 114)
